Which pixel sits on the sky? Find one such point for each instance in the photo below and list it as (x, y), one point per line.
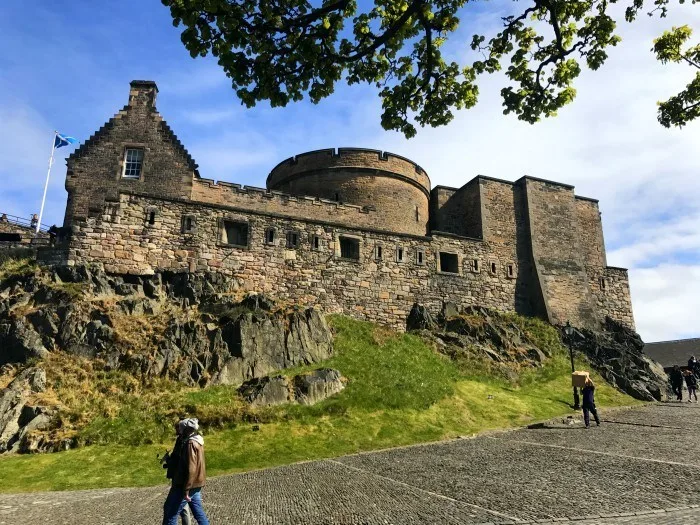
(67, 65)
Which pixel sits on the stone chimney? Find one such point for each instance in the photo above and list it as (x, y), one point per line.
(143, 93)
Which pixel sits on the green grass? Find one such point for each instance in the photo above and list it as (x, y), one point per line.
(400, 391)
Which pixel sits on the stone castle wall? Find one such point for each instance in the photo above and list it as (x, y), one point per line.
(530, 246)
(382, 290)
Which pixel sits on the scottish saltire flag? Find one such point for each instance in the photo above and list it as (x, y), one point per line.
(63, 140)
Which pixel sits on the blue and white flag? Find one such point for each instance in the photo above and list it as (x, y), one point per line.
(63, 140)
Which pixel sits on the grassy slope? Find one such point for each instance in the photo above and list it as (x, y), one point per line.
(400, 392)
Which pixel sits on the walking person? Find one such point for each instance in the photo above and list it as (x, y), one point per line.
(692, 383)
(171, 462)
(189, 476)
(677, 382)
(588, 391)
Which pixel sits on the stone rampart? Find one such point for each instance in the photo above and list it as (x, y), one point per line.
(374, 286)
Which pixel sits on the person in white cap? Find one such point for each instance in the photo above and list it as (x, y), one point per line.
(189, 476)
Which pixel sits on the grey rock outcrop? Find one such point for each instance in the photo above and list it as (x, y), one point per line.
(318, 385)
(19, 417)
(305, 389)
(481, 332)
(617, 354)
(222, 340)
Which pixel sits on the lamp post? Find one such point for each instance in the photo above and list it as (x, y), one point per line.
(569, 331)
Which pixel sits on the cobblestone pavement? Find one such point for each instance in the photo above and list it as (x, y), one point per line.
(638, 467)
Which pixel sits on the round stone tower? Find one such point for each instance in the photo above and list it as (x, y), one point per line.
(394, 189)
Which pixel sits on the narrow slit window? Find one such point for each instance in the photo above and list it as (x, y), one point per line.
(493, 267)
(292, 239)
(511, 271)
(399, 254)
(449, 262)
(188, 224)
(316, 242)
(378, 253)
(349, 248)
(133, 162)
(602, 284)
(270, 236)
(151, 218)
(420, 257)
(417, 214)
(234, 233)
(475, 265)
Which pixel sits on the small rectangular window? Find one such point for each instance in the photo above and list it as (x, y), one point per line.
(510, 271)
(378, 253)
(151, 218)
(602, 284)
(349, 248)
(475, 266)
(234, 233)
(493, 267)
(399, 254)
(316, 242)
(420, 257)
(292, 239)
(188, 224)
(133, 161)
(270, 236)
(449, 262)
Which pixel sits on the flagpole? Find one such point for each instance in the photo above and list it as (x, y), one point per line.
(46, 185)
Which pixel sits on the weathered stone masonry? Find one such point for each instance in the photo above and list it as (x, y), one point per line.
(351, 230)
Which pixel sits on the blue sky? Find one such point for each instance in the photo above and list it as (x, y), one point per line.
(66, 65)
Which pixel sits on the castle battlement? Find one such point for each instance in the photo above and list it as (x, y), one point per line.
(351, 230)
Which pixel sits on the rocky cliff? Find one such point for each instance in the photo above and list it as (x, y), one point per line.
(616, 352)
(194, 329)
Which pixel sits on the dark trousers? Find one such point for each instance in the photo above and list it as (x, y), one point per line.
(678, 390)
(587, 417)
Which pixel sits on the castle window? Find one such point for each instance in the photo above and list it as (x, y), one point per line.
(603, 284)
(417, 214)
(349, 248)
(151, 214)
(420, 257)
(315, 242)
(270, 236)
(493, 267)
(188, 224)
(510, 271)
(449, 262)
(234, 233)
(292, 239)
(475, 266)
(133, 162)
(378, 252)
(399, 254)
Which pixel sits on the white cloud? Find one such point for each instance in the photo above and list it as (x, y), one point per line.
(665, 301)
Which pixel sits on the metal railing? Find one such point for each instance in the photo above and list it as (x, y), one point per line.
(21, 221)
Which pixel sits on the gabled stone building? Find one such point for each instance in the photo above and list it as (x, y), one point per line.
(353, 230)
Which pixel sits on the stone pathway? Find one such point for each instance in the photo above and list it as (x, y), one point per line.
(639, 467)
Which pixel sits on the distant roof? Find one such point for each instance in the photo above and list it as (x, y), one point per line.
(669, 353)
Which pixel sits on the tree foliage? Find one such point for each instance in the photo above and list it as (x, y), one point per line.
(281, 50)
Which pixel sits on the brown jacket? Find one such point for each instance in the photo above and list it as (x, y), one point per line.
(192, 472)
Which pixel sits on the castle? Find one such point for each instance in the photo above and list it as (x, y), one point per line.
(352, 230)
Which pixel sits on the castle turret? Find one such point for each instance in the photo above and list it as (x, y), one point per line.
(397, 188)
